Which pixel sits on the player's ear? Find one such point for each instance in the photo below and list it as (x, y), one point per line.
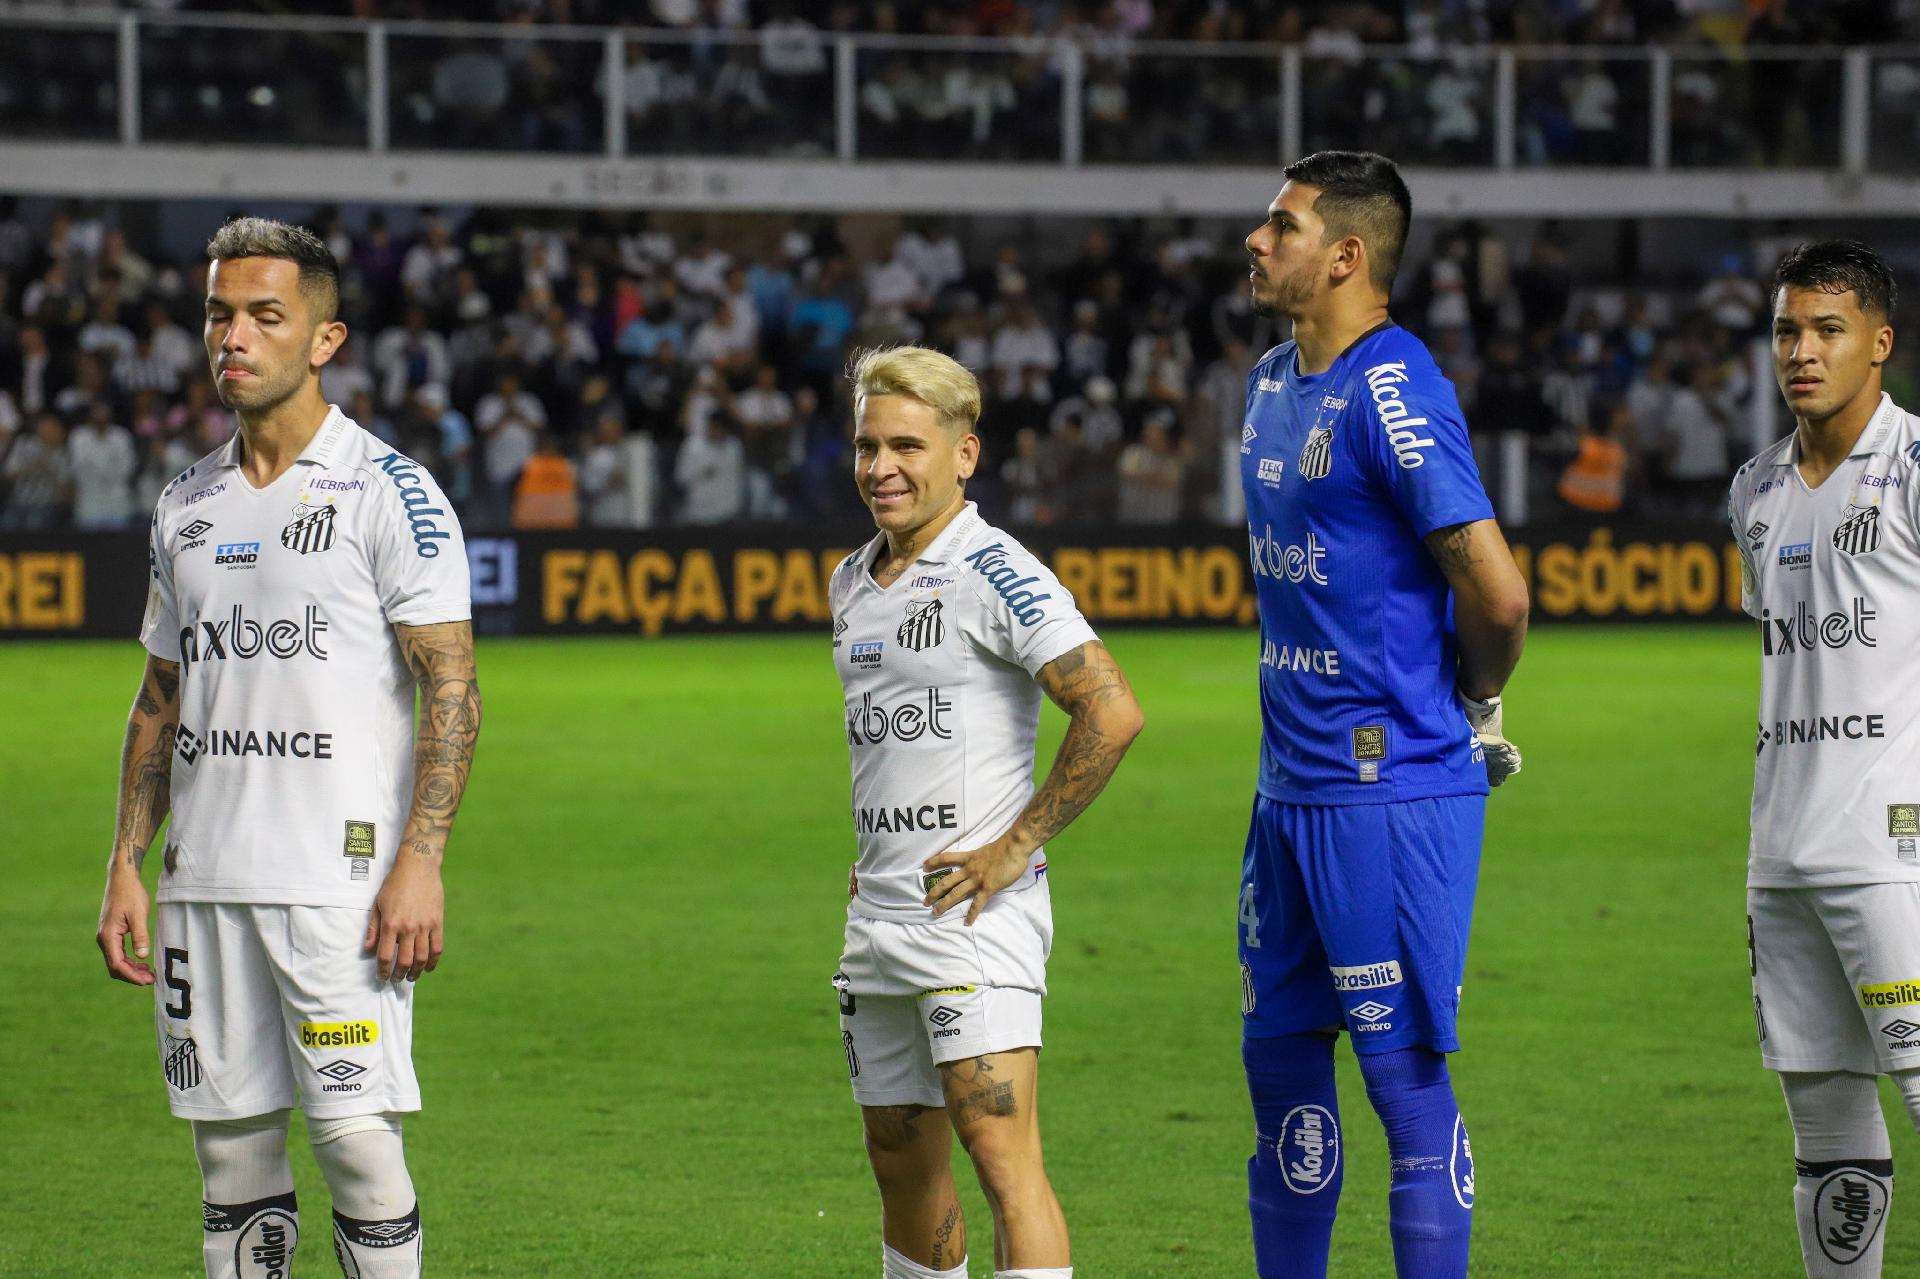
(1883, 345)
(969, 454)
(328, 338)
(1349, 257)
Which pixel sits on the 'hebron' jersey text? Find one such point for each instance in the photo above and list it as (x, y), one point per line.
(293, 763)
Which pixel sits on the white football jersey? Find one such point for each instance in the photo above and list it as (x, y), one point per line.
(293, 766)
(941, 704)
(1833, 574)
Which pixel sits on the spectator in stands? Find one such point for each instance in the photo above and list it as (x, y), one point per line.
(1595, 482)
(618, 475)
(1736, 301)
(509, 420)
(711, 474)
(38, 475)
(427, 272)
(1027, 481)
(165, 456)
(1152, 473)
(547, 494)
(35, 371)
(470, 87)
(102, 460)
(409, 357)
(1688, 451)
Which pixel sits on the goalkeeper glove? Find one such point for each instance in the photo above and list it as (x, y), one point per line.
(1503, 757)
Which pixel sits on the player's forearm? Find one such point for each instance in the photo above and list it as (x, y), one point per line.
(1095, 742)
(447, 728)
(146, 766)
(1489, 646)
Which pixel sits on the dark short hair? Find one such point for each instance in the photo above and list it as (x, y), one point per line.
(1361, 194)
(1839, 266)
(265, 238)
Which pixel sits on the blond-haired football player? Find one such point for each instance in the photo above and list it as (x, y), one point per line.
(945, 631)
(307, 580)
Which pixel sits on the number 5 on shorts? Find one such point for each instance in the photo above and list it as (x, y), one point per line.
(175, 982)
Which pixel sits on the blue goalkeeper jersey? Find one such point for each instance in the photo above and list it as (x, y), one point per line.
(1345, 472)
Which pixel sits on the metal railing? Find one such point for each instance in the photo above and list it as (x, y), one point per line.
(638, 93)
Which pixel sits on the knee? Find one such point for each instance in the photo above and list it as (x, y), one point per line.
(363, 1160)
(1004, 1156)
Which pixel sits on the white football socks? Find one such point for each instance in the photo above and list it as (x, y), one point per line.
(250, 1223)
(376, 1218)
(1844, 1166)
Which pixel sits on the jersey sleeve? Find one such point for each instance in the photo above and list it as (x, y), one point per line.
(1737, 522)
(1413, 441)
(1030, 618)
(160, 627)
(419, 553)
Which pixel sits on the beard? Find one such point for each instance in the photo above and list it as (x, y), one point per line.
(1283, 296)
(259, 395)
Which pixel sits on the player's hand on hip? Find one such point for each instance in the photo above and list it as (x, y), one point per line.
(978, 873)
(406, 932)
(123, 916)
(1503, 757)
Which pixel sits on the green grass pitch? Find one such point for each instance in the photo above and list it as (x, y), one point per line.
(630, 1057)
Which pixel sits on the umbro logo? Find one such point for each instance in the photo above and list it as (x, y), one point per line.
(1247, 436)
(198, 528)
(386, 1229)
(1372, 1010)
(1899, 1029)
(1756, 534)
(340, 1070)
(944, 1016)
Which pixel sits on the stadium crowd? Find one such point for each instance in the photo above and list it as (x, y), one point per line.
(554, 369)
(752, 77)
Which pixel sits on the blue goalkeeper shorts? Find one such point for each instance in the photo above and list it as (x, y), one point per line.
(1356, 916)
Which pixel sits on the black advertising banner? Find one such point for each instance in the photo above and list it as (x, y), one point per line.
(774, 578)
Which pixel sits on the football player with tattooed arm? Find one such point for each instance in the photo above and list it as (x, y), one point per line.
(1391, 615)
(942, 627)
(307, 583)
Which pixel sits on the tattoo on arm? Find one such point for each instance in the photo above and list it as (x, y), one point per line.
(146, 762)
(1089, 686)
(441, 659)
(1453, 548)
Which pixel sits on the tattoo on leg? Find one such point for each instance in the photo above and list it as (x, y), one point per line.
(993, 1101)
(891, 1127)
(943, 1237)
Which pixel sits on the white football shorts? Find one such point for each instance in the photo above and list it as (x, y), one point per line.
(1836, 976)
(263, 1008)
(913, 996)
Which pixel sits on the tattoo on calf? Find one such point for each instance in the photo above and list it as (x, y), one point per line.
(995, 1101)
(943, 1237)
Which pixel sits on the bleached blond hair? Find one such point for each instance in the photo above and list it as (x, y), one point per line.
(938, 381)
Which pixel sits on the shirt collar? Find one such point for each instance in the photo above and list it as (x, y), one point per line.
(321, 450)
(938, 552)
(1876, 440)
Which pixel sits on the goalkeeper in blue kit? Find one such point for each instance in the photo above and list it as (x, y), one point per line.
(1391, 615)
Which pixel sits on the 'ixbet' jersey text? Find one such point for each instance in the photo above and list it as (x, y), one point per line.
(941, 704)
(1833, 574)
(293, 764)
(1344, 473)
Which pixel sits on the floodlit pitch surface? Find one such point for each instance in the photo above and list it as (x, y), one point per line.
(630, 1057)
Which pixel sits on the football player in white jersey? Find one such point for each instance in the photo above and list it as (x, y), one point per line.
(1828, 526)
(307, 581)
(943, 626)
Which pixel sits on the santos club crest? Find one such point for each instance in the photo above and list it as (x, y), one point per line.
(1316, 456)
(310, 529)
(923, 627)
(1860, 533)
